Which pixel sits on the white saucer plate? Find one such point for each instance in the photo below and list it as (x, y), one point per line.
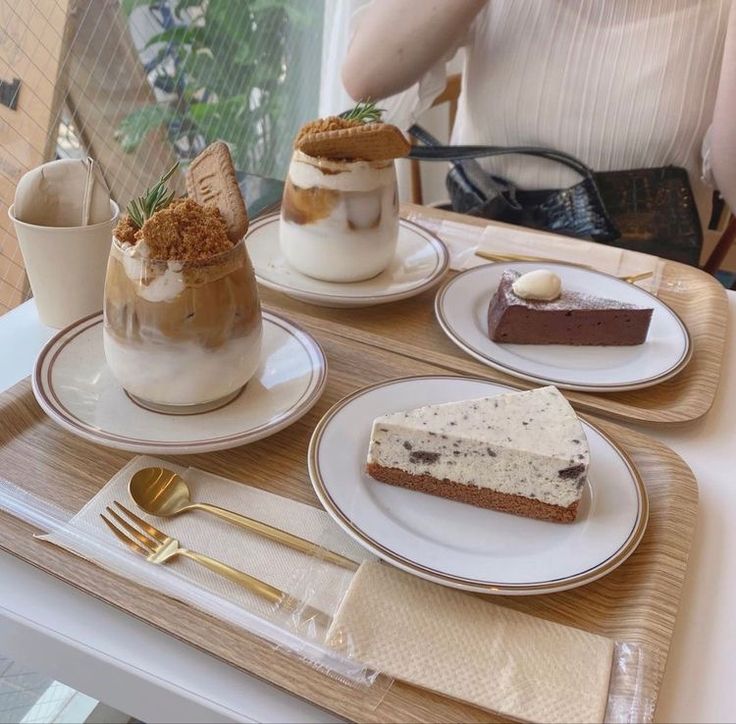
(74, 386)
(460, 545)
(461, 307)
(420, 262)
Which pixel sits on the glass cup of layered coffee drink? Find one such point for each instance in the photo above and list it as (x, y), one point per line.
(182, 320)
(339, 219)
(340, 210)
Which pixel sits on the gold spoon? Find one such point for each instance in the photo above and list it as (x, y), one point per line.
(491, 256)
(163, 493)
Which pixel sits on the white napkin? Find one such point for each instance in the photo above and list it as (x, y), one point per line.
(302, 576)
(61, 193)
(604, 258)
(463, 240)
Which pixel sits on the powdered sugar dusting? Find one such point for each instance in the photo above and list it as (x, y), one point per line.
(566, 301)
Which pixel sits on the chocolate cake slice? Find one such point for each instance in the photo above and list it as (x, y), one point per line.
(573, 318)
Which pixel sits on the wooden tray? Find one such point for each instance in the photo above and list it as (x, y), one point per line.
(636, 603)
(410, 328)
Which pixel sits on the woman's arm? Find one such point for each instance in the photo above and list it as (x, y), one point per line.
(398, 41)
(723, 132)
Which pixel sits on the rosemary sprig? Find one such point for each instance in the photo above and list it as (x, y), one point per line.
(364, 112)
(154, 199)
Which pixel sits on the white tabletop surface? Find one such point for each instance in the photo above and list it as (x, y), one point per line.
(129, 665)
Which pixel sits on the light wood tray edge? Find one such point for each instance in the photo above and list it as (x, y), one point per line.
(466, 365)
(402, 702)
(709, 346)
(708, 290)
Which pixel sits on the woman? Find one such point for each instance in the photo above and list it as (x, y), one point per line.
(620, 84)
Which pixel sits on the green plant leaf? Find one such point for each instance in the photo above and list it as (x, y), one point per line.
(238, 74)
(153, 199)
(245, 54)
(138, 124)
(183, 5)
(127, 6)
(297, 12)
(180, 35)
(223, 119)
(363, 111)
(230, 18)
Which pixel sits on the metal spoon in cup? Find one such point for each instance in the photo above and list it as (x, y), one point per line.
(163, 493)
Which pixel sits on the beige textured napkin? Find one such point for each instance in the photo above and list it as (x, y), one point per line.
(473, 650)
(304, 577)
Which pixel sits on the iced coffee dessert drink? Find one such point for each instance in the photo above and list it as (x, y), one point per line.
(340, 210)
(182, 321)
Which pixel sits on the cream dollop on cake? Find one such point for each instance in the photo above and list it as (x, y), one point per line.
(539, 284)
(522, 452)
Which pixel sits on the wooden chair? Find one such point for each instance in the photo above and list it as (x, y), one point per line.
(719, 253)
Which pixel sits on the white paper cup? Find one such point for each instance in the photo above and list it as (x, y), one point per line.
(66, 267)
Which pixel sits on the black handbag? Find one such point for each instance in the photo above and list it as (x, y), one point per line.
(648, 210)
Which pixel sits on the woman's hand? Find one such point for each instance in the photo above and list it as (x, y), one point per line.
(398, 41)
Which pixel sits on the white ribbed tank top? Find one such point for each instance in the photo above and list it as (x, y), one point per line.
(619, 83)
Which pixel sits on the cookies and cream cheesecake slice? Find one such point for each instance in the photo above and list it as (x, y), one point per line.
(523, 452)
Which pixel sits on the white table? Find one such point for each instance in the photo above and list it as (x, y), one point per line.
(97, 649)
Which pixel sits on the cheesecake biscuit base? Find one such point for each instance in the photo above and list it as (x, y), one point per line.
(474, 495)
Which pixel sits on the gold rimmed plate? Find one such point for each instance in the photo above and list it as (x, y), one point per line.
(75, 388)
(459, 545)
(461, 308)
(419, 264)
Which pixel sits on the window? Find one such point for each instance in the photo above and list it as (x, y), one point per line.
(245, 72)
(137, 84)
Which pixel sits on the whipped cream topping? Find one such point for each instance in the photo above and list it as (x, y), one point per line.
(162, 287)
(540, 284)
(307, 172)
(135, 251)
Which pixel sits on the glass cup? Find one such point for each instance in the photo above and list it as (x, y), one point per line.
(339, 219)
(181, 336)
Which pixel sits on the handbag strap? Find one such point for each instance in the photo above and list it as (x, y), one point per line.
(433, 150)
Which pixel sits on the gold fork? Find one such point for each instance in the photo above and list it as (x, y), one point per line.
(158, 548)
(493, 256)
